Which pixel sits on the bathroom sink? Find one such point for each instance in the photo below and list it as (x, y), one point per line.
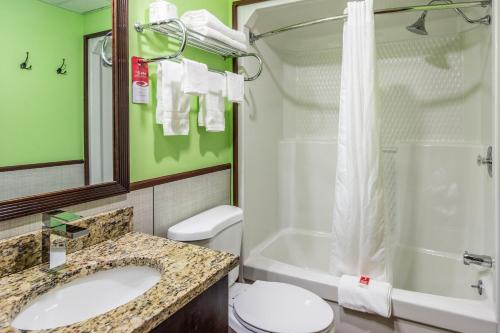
(86, 297)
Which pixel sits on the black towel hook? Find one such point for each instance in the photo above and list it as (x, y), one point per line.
(62, 69)
(24, 65)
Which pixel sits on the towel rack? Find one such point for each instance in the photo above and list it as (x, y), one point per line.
(176, 29)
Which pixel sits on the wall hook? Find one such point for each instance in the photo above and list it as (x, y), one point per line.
(62, 69)
(24, 65)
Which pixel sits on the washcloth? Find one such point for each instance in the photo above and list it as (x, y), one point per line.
(173, 109)
(217, 35)
(161, 10)
(235, 88)
(195, 78)
(211, 114)
(203, 18)
(374, 297)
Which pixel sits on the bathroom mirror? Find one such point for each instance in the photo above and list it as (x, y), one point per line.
(63, 103)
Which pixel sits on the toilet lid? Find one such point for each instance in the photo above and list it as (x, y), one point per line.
(282, 308)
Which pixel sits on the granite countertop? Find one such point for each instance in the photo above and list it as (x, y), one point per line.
(187, 271)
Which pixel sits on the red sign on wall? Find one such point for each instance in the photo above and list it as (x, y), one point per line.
(140, 81)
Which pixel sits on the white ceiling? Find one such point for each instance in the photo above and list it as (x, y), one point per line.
(79, 6)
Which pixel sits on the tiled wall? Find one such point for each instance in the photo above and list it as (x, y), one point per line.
(155, 209)
(177, 201)
(431, 93)
(431, 107)
(21, 183)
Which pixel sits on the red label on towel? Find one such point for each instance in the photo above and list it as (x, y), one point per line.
(363, 279)
(140, 81)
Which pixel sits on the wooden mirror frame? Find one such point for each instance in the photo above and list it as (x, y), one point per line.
(47, 201)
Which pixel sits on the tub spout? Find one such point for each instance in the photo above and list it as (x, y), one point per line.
(477, 259)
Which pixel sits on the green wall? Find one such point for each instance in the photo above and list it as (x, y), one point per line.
(151, 153)
(41, 113)
(98, 20)
(47, 128)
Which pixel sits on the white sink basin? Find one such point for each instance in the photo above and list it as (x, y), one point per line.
(86, 297)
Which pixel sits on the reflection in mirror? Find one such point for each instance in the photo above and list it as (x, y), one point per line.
(56, 117)
(98, 110)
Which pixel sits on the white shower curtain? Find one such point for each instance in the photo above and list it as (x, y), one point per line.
(358, 219)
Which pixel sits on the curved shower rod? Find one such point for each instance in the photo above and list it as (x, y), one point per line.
(105, 60)
(430, 6)
(419, 26)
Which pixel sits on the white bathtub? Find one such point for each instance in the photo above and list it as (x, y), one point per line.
(424, 290)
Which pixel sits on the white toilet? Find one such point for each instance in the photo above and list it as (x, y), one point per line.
(262, 307)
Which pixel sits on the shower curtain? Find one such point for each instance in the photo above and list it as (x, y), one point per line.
(358, 220)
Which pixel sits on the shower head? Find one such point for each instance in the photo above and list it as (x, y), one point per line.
(419, 26)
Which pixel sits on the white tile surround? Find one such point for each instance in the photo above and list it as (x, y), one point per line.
(165, 204)
(436, 95)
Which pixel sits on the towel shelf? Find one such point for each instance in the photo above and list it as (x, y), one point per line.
(176, 29)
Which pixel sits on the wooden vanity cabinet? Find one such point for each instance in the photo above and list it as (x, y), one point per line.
(207, 313)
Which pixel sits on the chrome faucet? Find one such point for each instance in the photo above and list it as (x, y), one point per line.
(55, 233)
(477, 259)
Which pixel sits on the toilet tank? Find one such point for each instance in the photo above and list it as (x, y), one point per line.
(219, 228)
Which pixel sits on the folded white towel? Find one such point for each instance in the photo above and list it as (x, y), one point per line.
(159, 94)
(211, 114)
(203, 18)
(195, 78)
(217, 35)
(372, 298)
(235, 88)
(173, 111)
(175, 123)
(161, 10)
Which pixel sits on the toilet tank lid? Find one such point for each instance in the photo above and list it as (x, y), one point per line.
(206, 224)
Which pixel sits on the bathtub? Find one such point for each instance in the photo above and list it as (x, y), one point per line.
(423, 291)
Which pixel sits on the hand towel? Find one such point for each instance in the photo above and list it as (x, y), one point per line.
(214, 34)
(175, 104)
(195, 80)
(203, 18)
(235, 89)
(161, 10)
(372, 298)
(159, 94)
(211, 114)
